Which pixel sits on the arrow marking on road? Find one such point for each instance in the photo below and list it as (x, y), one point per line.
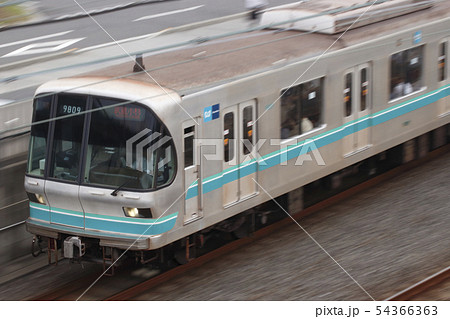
(35, 39)
(45, 47)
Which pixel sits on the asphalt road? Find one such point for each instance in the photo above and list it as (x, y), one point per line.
(116, 25)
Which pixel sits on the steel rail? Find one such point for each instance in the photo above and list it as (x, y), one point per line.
(422, 286)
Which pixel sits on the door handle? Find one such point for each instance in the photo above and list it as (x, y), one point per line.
(97, 193)
(131, 196)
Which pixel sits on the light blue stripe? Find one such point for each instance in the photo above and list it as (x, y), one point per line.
(40, 212)
(81, 232)
(68, 220)
(128, 228)
(192, 191)
(102, 223)
(276, 158)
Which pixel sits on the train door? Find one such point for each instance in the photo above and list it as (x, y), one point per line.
(65, 206)
(357, 106)
(246, 151)
(443, 76)
(239, 171)
(192, 171)
(64, 162)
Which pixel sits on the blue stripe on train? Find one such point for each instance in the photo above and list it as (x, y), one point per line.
(123, 225)
(276, 158)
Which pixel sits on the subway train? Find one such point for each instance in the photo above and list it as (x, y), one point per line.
(149, 156)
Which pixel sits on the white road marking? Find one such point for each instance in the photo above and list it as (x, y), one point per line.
(11, 121)
(45, 47)
(94, 11)
(35, 39)
(4, 102)
(168, 13)
(145, 36)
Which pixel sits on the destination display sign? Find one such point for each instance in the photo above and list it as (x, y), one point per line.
(129, 113)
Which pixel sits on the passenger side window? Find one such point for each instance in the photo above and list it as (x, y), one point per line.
(406, 72)
(247, 129)
(442, 62)
(301, 108)
(189, 134)
(364, 89)
(348, 94)
(228, 137)
(290, 125)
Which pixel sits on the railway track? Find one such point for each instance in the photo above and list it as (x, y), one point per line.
(420, 289)
(121, 287)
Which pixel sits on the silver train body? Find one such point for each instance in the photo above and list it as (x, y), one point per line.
(138, 165)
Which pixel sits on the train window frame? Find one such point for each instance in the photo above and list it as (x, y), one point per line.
(161, 138)
(40, 170)
(348, 94)
(48, 165)
(364, 90)
(442, 61)
(189, 152)
(402, 78)
(57, 170)
(301, 108)
(228, 137)
(247, 129)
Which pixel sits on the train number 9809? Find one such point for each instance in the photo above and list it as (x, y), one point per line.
(68, 109)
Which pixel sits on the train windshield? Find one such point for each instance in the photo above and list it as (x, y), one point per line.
(65, 152)
(100, 141)
(127, 146)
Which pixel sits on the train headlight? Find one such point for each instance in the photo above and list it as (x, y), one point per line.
(131, 212)
(137, 212)
(36, 198)
(40, 198)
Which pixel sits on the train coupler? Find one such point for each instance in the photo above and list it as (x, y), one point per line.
(69, 247)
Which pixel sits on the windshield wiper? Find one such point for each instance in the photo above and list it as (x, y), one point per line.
(114, 192)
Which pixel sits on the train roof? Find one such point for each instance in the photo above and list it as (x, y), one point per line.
(202, 65)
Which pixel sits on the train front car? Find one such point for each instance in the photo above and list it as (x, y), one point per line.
(102, 165)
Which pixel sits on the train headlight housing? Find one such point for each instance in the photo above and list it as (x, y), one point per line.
(40, 198)
(137, 212)
(131, 212)
(36, 198)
